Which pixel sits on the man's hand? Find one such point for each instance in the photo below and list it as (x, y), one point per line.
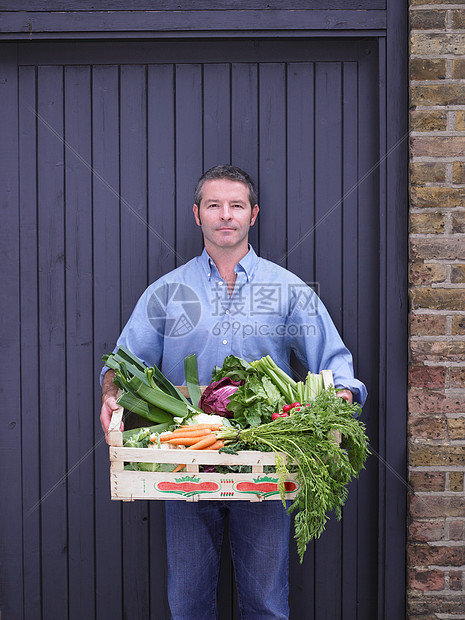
(346, 395)
(109, 404)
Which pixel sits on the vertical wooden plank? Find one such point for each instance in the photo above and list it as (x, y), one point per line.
(300, 249)
(244, 127)
(11, 583)
(368, 321)
(134, 232)
(216, 115)
(29, 341)
(189, 157)
(384, 503)
(79, 367)
(349, 325)
(328, 275)
(53, 463)
(161, 205)
(106, 325)
(395, 130)
(300, 170)
(161, 170)
(272, 160)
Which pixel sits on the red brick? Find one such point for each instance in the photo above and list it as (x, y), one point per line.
(458, 18)
(458, 223)
(434, 196)
(444, 351)
(418, 607)
(456, 376)
(460, 120)
(428, 20)
(425, 555)
(437, 43)
(430, 530)
(458, 69)
(437, 298)
(427, 69)
(455, 580)
(437, 455)
(427, 481)
(427, 377)
(447, 248)
(458, 326)
(456, 427)
(437, 94)
(457, 274)
(458, 172)
(456, 481)
(426, 401)
(426, 273)
(456, 530)
(427, 427)
(428, 223)
(437, 146)
(425, 2)
(421, 579)
(428, 172)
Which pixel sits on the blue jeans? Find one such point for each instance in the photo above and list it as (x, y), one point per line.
(259, 538)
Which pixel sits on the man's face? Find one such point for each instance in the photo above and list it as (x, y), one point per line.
(225, 214)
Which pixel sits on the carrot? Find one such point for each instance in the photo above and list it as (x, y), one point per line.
(179, 467)
(186, 441)
(219, 443)
(204, 443)
(213, 427)
(197, 433)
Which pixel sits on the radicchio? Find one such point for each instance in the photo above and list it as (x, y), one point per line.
(217, 395)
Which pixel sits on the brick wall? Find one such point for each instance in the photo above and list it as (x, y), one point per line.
(436, 553)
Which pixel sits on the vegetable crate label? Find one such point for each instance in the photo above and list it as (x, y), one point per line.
(187, 486)
(131, 485)
(264, 487)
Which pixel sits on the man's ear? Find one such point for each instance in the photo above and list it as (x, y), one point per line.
(255, 210)
(195, 209)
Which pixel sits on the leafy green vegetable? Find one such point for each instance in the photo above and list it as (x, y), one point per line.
(266, 389)
(146, 391)
(233, 367)
(192, 379)
(255, 402)
(323, 467)
(140, 438)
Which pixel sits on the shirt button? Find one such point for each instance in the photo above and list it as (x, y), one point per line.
(227, 312)
(220, 283)
(225, 342)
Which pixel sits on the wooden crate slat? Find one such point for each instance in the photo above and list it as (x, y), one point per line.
(190, 484)
(132, 485)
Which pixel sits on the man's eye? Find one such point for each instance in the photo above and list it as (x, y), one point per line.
(238, 206)
(213, 205)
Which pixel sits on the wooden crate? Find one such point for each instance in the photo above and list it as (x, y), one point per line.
(191, 484)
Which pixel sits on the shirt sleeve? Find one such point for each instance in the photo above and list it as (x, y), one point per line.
(318, 344)
(141, 335)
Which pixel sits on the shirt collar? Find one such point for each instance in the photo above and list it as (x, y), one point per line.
(247, 264)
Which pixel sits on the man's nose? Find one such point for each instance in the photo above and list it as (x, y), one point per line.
(226, 212)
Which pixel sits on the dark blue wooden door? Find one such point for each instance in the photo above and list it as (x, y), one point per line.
(110, 141)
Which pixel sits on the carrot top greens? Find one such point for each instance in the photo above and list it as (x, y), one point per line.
(322, 466)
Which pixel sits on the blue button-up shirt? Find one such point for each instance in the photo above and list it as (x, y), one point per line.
(270, 312)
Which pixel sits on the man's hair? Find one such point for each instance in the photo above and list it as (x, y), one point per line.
(226, 171)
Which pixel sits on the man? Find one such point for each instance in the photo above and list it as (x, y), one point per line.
(229, 301)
